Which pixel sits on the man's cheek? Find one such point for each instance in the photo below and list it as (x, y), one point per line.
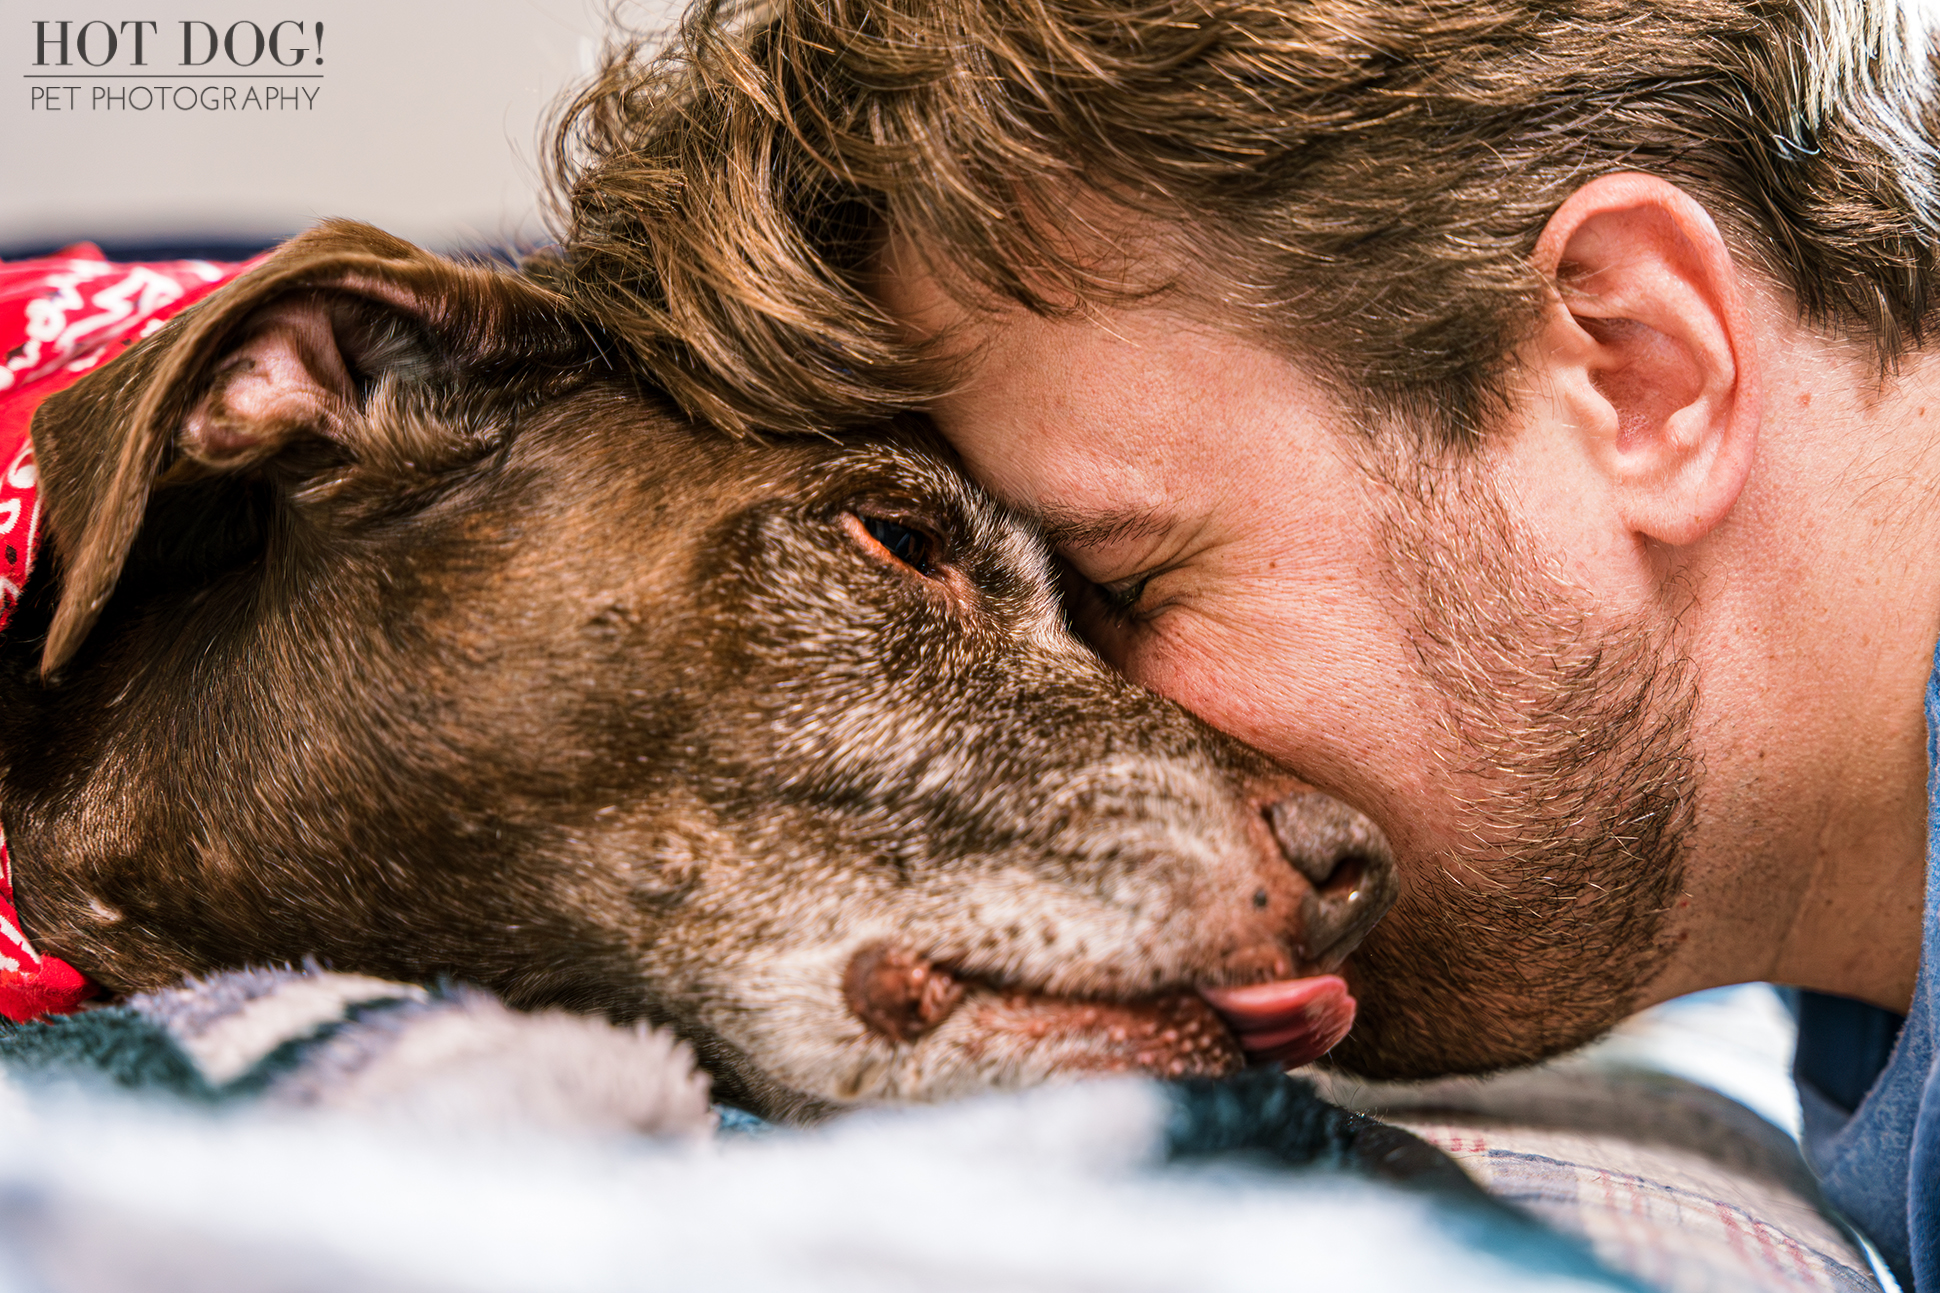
(1222, 682)
(1339, 716)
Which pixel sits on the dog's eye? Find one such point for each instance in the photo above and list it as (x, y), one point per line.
(911, 547)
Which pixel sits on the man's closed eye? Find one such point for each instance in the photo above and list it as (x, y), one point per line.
(1121, 598)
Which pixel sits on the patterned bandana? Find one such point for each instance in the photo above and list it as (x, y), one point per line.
(61, 318)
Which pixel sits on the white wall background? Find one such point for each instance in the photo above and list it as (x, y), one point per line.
(426, 120)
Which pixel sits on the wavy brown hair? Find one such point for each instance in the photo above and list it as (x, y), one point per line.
(1359, 180)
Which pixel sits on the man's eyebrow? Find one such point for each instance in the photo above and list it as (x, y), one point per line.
(1064, 527)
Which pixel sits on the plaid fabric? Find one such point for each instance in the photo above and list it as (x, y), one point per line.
(1666, 1180)
(1676, 1220)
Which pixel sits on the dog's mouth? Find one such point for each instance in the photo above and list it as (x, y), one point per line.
(1186, 1032)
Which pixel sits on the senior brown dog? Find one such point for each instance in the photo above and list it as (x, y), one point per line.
(387, 623)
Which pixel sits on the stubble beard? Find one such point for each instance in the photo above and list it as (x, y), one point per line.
(1574, 783)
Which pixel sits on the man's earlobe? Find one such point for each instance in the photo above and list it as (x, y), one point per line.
(1648, 341)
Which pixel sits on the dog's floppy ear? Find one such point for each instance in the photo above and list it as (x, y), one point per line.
(285, 355)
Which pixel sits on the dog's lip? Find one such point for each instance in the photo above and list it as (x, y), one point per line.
(1286, 1022)
(1173, 1034)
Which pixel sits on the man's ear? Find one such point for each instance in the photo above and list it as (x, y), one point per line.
(1648, 342)
(287, 356)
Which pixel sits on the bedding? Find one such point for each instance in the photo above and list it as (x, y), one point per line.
(296, 1129)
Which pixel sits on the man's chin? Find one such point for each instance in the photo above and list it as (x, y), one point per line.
(1398, 1044)
(1430, 1010)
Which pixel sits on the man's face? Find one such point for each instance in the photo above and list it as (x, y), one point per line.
(1392, 632)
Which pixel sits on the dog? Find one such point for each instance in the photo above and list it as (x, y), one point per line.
(390, 619)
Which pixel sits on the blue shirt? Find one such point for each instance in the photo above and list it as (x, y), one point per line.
(1869, 1087)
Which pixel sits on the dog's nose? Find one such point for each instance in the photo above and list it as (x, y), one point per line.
(1349, 865)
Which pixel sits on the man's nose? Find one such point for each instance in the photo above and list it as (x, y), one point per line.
(1348, 863)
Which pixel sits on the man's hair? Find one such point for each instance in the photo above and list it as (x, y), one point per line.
(1361, 181)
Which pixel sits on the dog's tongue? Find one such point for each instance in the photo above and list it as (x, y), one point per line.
(1289, 1023)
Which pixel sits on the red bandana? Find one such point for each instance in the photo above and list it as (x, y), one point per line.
(60, 318)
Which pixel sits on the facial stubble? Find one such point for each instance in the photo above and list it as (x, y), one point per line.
(1574, 784)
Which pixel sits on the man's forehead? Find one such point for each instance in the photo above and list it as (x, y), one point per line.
(908, 286)
(1112, 426)
(944, 305)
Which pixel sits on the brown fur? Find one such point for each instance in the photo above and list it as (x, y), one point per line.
(385, 623)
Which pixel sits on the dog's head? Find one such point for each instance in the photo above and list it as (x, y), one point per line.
(387, 622)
